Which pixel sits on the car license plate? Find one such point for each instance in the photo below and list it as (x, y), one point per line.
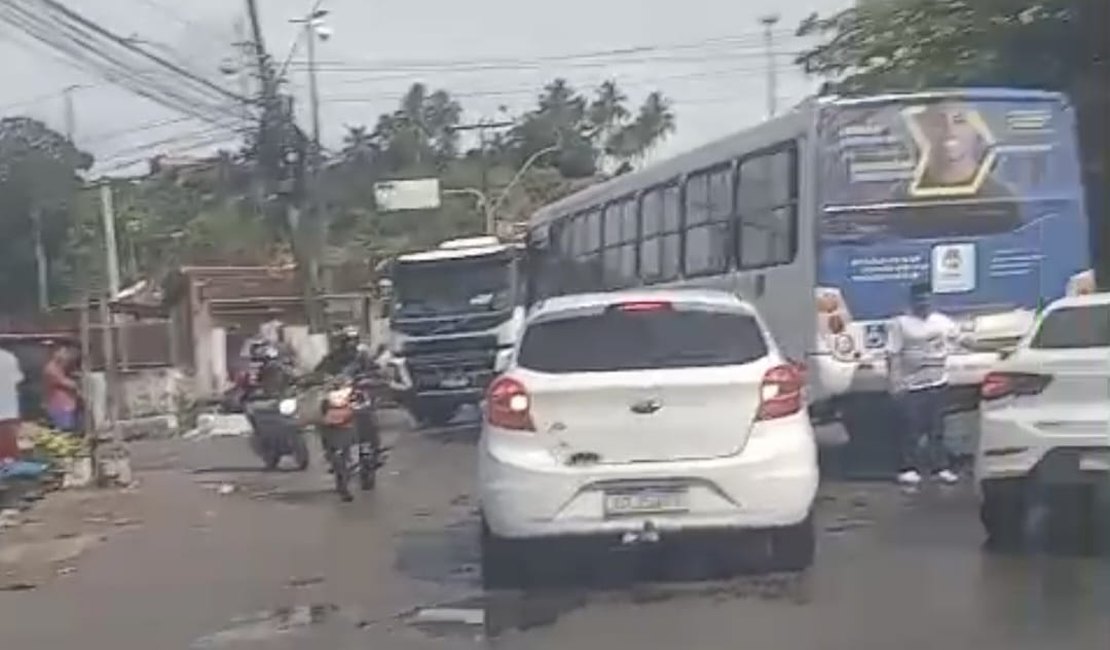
(1095, 461)
(645, 502)
(457, 381)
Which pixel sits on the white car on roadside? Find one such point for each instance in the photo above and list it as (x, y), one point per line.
(1045, 414)
(637, 416)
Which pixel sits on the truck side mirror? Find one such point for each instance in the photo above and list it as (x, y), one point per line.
(502, 361)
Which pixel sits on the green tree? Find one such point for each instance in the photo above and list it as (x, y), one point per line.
(914, 44)
(39, 180)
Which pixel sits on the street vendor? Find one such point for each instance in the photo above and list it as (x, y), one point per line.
(61, 394)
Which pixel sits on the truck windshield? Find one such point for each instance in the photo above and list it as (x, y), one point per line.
(452, 287)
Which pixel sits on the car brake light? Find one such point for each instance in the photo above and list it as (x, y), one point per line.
(780, 394)
(997, 385)
(508, 405)
(643, 305)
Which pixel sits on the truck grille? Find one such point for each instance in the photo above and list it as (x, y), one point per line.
(449, 346)
(451, 325)
(445, 371)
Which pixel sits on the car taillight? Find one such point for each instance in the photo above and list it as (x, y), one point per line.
(997, 385)
(642, 305)
(780, 394)
(508, 405)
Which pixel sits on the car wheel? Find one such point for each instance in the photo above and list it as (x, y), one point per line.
(502, 561)
(793, 547)
(1003, 512)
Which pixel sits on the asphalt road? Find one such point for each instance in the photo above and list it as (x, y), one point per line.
(218, 554)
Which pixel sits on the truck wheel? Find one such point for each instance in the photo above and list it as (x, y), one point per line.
(435, 416)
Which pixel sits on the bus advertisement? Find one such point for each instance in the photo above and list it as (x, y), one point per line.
(977, 194)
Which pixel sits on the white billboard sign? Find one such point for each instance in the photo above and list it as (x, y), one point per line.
(417, 194)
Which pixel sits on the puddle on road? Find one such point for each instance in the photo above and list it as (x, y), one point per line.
(273, 624)
(495, 613)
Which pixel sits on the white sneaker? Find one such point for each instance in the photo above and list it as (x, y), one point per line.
(947, 477)
(909, 477)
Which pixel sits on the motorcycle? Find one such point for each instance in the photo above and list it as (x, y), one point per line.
(350, 434)
(264, 393)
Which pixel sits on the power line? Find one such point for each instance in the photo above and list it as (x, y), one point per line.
(752, 39)
(96, 49)
(162, 62)
(75, 51)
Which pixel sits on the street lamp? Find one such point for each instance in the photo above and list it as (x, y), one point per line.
(314, 28)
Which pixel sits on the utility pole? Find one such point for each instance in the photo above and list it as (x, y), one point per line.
(70, 113)
(41, 264)
(111, 255)
(769, 23)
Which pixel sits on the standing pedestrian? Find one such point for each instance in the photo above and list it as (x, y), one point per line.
(61, 394)
(10, 378)
(919, 344)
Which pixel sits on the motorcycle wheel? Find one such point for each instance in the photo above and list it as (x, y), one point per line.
(270, 455)
(342, 471)
(300, 453)
(367, 471)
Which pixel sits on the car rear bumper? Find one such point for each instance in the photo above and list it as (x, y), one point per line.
(771, 483)
(1014, 443)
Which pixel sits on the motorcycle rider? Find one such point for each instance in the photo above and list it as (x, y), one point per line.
(349, 359)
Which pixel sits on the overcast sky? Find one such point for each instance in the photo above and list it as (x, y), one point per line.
(706, 55)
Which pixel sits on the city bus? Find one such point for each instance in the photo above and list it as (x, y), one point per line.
(825, 216)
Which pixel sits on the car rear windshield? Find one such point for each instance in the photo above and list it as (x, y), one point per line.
(1075, 327)
(620, 340)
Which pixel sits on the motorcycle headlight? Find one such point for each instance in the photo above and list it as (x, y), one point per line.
(287, 406)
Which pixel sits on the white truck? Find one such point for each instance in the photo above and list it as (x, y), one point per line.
(455, 312)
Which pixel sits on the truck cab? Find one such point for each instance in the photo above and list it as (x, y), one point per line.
(454, 315)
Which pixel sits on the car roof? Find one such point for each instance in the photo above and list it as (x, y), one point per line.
(706, 297)
(1084, 300)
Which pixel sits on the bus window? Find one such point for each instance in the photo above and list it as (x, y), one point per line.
(618, 258)
(661, 234)
(767, 209)
(708, 210)
(587, 253)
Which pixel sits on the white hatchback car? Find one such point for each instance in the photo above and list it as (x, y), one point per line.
(1045, 414)
(632, 416)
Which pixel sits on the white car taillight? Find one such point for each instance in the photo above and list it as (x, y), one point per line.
(1082, 283)
(780, 394)
(997, 385)
(508, 405)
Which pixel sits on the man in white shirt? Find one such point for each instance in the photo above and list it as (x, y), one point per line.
(919, 344)
(10, 378)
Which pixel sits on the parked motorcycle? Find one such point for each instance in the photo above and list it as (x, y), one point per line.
(350, 434)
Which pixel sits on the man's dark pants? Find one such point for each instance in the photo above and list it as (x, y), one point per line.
(923, 445)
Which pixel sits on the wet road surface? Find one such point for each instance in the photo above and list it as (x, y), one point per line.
(223, 555)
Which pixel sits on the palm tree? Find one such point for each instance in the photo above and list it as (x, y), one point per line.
(607, 112)
(360, 146)
(654, 122)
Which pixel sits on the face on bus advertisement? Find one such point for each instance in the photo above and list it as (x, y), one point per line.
(983, 198)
